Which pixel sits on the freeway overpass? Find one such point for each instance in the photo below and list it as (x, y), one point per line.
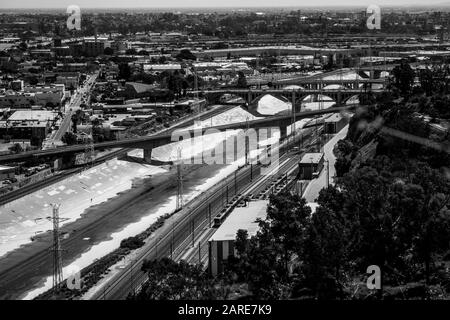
(148, 143)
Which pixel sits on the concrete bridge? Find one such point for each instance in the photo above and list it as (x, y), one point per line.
(296, 96)
(315, 84)
(148, 143)
(316, 81)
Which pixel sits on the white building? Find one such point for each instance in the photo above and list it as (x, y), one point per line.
(221, 244)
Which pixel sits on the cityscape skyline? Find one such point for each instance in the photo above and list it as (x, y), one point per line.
(235, 151)
(53, 4)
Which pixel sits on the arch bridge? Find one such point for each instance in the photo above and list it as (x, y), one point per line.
(340, 96)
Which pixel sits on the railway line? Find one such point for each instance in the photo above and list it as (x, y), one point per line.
(16, 278)
(196, 222)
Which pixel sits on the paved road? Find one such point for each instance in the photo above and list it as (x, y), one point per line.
(70, 109)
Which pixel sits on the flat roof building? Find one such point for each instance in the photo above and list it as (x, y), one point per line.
(28, 124)
(334, 123)
(221, 244)
(310, 165)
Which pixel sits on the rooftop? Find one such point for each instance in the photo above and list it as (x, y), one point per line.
(242, 218)
(172, 66)
(312, 157)
(335, 117)
(33, 115)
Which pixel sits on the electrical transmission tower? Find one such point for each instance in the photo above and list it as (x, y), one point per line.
(247, 144)
(57, 261)
(179, 204)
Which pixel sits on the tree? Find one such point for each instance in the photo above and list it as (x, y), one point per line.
(323, 255)
(131, 52)
(23, 46)
(404, 77)
(426, 80)
(50, 105)
(33, 81)
(185, 54)
(286, 216)
(69, 138)
(263, 261)
(168, 280)
(108, 51)
(124, 71)
(242, 81)
(16, 148)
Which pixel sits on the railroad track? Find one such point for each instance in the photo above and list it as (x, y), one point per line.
(187, 230)
(22, 272)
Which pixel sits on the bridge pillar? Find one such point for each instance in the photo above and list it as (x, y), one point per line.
(148, 154)
(283, 132)
(66, 161)
(148, 158)
(293, 106)
(339, 98)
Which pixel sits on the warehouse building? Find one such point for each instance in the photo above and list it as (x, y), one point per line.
(311, 165)
(33, 125)
(335, 123)
(221, 244)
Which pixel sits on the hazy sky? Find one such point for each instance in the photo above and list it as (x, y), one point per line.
(201, 3)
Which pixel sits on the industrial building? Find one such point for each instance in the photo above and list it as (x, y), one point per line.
(221, 244)
(334, 123)
(33, 125)
(311, 165)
